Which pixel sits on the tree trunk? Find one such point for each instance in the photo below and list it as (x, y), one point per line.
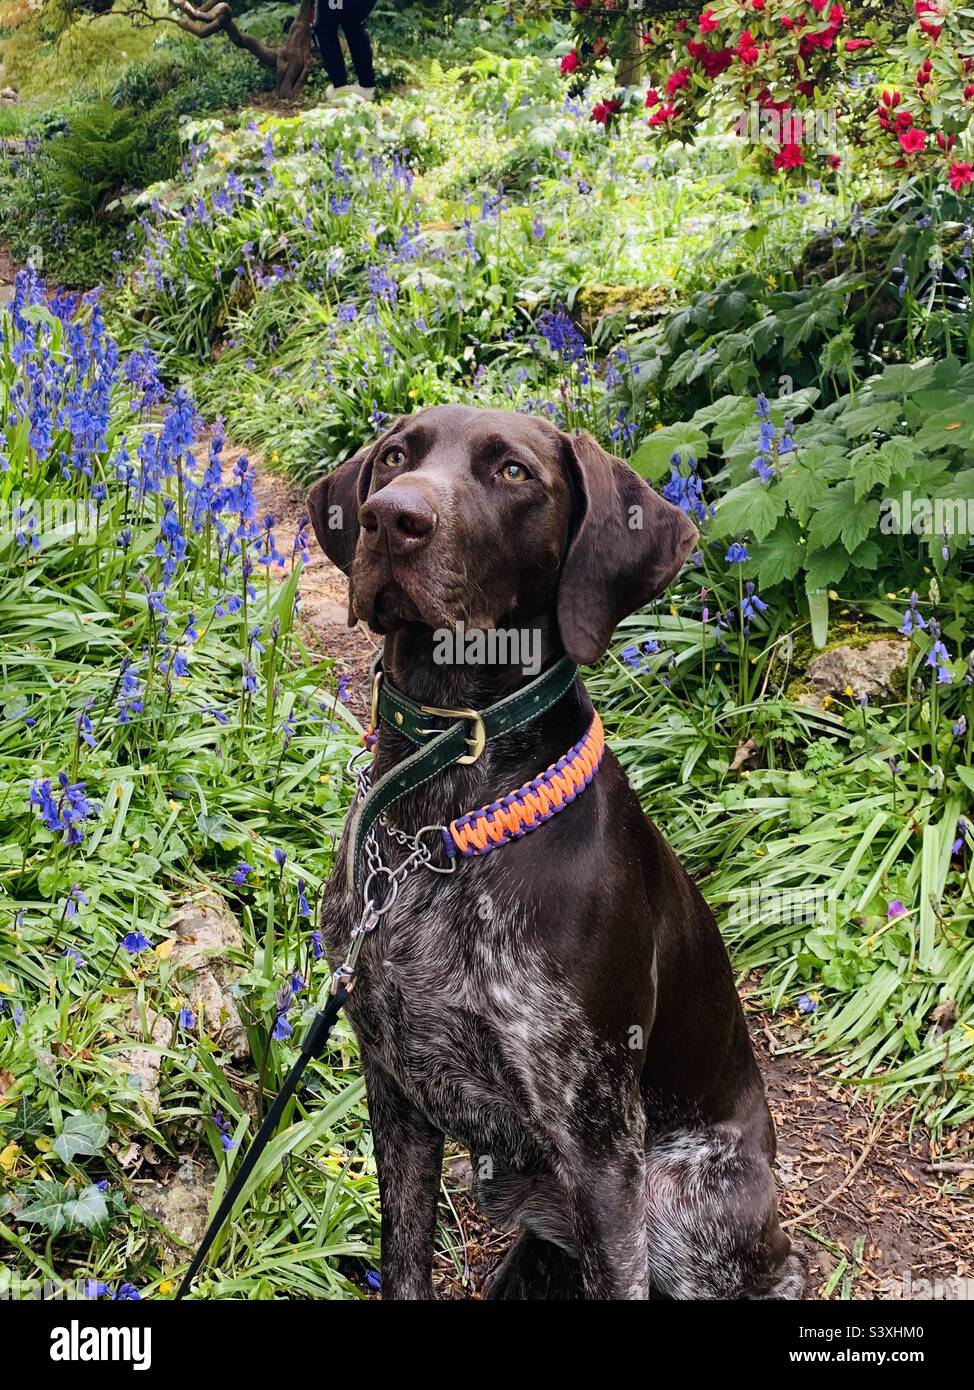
(630, 61)
(295, 57)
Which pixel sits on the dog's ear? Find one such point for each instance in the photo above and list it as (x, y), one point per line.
(629, 543)
(333, 505)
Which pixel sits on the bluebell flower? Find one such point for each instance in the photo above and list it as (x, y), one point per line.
(737, 554)
(187, 1019)
(806, 1004)
(913, 620)
(135, 942)
(241, 873)
(303, 909)
(751, 604)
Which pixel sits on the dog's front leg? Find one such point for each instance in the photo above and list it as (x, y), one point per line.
(409, 1156)
(607, 1204)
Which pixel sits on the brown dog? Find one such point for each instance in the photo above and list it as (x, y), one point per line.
(564, 1006)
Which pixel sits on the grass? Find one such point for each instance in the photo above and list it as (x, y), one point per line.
(308, 276)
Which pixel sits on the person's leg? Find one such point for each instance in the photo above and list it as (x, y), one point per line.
(327, 21)
(353, 16)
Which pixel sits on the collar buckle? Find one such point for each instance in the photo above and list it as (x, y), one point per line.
(476, 738)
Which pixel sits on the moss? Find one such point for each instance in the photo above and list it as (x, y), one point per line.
(643, 301)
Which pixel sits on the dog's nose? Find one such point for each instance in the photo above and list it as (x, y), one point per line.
(398, 518)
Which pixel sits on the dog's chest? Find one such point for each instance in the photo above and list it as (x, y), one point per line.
(458, 1003)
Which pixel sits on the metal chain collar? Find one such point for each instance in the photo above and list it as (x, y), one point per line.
(382, 884)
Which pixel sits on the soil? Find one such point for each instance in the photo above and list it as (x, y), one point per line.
(875, 1206)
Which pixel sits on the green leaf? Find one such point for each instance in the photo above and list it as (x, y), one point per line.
(826, 567)
(831, 515)
(652, 459)
(868, 470)
(905, 378)
(818, 612)
(82, 1135)
(781, 554)
(872, 415)
(753, 507)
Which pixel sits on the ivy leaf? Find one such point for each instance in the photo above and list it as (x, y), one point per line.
(88, 1209)
(82, 1135)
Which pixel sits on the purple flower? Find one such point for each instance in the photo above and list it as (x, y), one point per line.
(187, 1019)
(895, 909)
(241, 873)
(737, 554)
(806, 1004)
(912, 620)
(135, 942)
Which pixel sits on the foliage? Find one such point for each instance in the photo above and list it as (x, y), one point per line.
(901, 90)
(163, 732)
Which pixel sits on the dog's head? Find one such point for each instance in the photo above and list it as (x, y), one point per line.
(459, 514)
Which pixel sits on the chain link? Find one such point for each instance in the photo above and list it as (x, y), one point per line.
(376, 900)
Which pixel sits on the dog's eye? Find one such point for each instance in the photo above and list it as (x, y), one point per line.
(514, 473)
(395, 458)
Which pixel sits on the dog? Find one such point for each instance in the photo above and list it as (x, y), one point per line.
(563, 1007)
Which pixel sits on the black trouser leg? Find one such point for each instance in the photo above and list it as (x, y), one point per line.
(357, 36)
(326, 29)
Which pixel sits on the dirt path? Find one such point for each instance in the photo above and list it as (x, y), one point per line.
(871, 1206)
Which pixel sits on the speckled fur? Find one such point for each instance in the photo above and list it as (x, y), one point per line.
(564, 1006)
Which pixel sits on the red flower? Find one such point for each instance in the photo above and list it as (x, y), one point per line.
(789, 157)
(853, 44)
(946, 142)
(602, 110)
(818, 5)
(961, 174)
(747, 49)
(569, 63)
(663, 114)
(600, 47)
(834, 161)
(757, 4)
(969, 92)
(904, 120)
(677, 80)
(582, 4)
(708, 22)
(913, 141)
(934, 30)
(652, 97)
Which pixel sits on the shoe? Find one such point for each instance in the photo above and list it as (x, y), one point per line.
(366, 93)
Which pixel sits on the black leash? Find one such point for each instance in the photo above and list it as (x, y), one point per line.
(462, 741)
(313, 1046)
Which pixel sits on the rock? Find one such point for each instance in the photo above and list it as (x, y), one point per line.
(867, 669)
(182, 1204)
(206, 932)
(143, 1064)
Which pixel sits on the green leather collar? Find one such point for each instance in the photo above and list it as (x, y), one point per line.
(443, 738)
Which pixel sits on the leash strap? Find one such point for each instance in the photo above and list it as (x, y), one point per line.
(438, 750)
(312, 1046)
